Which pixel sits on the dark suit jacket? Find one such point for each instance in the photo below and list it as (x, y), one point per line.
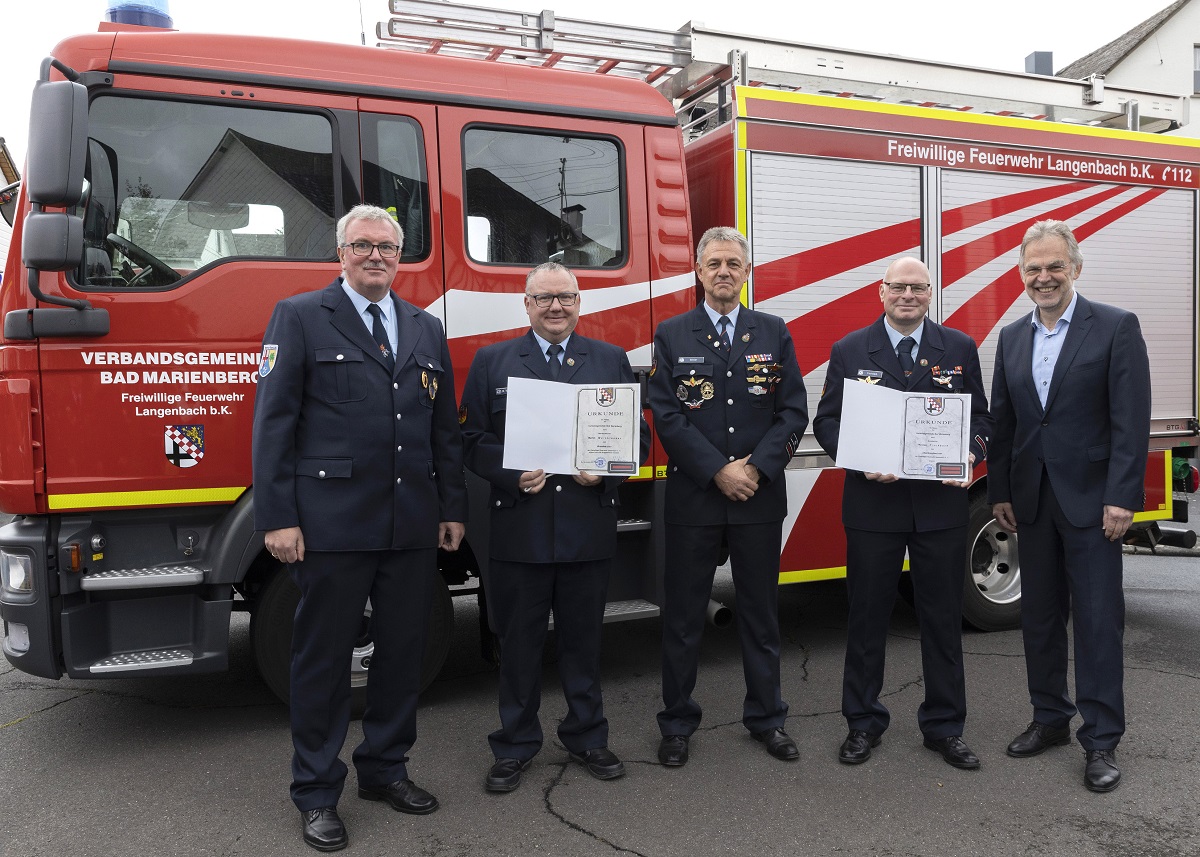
(710, 409)
(908, 504)
(357, 457)
(565, 521)
(1092, 436)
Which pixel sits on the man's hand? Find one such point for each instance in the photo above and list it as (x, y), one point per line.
(737, 480)
(587, 479)
(882, 477)
(1116, 522)
(1003, 513)
(450, 535)
(966, 483)
(286, 545)
(532, 481)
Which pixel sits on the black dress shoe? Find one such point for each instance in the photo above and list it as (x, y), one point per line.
(779, 744)
(323, 829)
(403, 796)
(673, 751)
(856, 749)
(955, 751)
(1037, 739)
(601, 763)
(505, 774)
(1101, 774)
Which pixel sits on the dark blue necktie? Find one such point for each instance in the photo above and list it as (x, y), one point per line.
(904, 351)
(552, 359)
(381, 336)
(723, 333)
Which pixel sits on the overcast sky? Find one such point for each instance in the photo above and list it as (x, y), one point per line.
(991, 35)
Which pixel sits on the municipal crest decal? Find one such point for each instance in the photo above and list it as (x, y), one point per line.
(269, 353)
(934, 405)
(606, 396)
(184, 445)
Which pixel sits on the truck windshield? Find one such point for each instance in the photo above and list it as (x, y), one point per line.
(175, 186)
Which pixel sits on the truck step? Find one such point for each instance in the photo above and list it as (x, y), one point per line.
(138, 661)
(144, 578)
(620, 611)
(630, 525)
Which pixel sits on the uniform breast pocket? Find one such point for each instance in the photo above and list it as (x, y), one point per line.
(339, 375)
(429, 377)
(694, 385)
(762, 379)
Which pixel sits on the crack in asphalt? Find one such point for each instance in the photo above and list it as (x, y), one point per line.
(548, 801)
(25, 717)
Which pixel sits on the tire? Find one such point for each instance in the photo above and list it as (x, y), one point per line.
(271, 639)
(992, 585)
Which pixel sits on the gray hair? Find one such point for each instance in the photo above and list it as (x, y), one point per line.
(1052, 229)
(723, 233)
(368, 212)
(551, 268)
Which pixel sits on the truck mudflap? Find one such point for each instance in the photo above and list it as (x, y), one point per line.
(27, 597)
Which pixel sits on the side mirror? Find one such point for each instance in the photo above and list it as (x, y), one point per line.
(57, 143)
(52, 241)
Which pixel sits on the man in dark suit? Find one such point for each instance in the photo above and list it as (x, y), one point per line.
(358, 480)
(884, 516)
(552, 537)
(1071, 397)
(1071, 400)
(729, 407)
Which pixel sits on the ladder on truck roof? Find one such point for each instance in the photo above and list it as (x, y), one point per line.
(693, 66)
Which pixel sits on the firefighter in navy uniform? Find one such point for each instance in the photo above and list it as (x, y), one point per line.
(729, 407)
(885, 516)
(358, 480)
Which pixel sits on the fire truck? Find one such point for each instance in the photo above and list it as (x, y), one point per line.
(179, 185)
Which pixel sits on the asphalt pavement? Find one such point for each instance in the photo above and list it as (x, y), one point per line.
(199, 766)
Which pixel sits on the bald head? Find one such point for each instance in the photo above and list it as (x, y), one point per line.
(905, 293)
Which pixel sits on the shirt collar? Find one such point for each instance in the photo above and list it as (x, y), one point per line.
(361, 302)
(894, 336)
(1065, 319)
(545, 345)
(715, 317)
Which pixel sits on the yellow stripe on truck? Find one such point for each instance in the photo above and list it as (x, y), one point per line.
(123, 499)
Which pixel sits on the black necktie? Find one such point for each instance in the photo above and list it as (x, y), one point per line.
(381, 336)
(904, 352)
(723, 332)
(552, 358)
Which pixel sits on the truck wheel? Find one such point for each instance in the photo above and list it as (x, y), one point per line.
(271, 639)
(992, 586)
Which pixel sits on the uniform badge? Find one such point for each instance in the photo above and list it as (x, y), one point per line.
(184, 445)
(745, 337)
(267, 363)
(756, 379)
(693, 405)
(570, 361)
(424, 379)
(923, 362)
(462, 413)
(653, 366)
(869, 380)
(433, 385)
(760, 358)
(707, 391)
(757, 390)
(693, 381)
(681, 393)
(944, 380)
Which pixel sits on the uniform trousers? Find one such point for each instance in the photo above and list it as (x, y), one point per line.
(1075, 572)
(334, 588)
(693, 553)
(874, 561)
(520, 597)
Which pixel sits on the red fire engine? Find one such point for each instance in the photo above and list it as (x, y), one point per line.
(179, 185)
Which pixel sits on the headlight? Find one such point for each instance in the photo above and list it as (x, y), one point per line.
(16, 572)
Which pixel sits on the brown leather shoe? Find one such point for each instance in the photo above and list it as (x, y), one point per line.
(1038, 738)
(402, 796)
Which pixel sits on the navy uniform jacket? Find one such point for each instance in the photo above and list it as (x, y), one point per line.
(1092, 436)
(947, 362)
(355, 457)
(710, 409)
(565, 521)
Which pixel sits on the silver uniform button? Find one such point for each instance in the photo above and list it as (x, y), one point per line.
(497, 502)
(399, 449)
(731, 458)
(731, 429)
(395, 386)
(397, 416)
(558, 488)
(321, 474)
(728, 374)
(729, 401)
(693, 372)
(398, 481)
(340, 357)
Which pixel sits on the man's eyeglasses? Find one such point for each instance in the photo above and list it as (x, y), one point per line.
(1054, 270)
(918, 289)
(364, 248)
(564, 299)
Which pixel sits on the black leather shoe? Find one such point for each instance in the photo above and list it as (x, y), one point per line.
(323, 829)
(402, 796)
(856, 749)
(1038, 738)
(601, 763)
(673, 751)
(1101, 774)
(779, 744)
(955, 751)
(505, 775)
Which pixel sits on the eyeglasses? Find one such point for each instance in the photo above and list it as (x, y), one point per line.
(565, 299)
(918, 289)
(1036, 270)
(364, 248)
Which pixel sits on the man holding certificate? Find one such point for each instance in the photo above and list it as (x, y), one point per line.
(553, 536)
(729, 407)
(885, 515)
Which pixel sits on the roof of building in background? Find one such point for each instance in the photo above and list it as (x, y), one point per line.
(8, 169)
(1105, 59)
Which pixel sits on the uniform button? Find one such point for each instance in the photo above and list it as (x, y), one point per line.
(399, 449)
(731, 429)
(693, 372)
(395, 386)
(558, 488)
(731, 458)
(340, 357)
(398, 416)
(321, 474)
(497, 502)
(728, 374)
(398, 481)
(1046, 423)
(729, 401)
